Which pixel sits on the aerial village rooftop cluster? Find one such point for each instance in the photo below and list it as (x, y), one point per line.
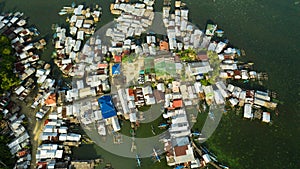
(14, 27)
(48, 103)
(100, 68)
(130, 90)
(82, 24)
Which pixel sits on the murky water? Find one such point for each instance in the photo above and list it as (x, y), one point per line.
(268, 31)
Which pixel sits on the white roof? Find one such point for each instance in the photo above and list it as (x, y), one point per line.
(23, 55)
(49, 129)
(80, 35)
(234, 101)
(266, 117)
(218, 97)
(63, 129)
(79, 23)
(41, 79)
(132, 117)
(40, 72)
(69, 110)
(48, 147)
(147, 90)
(39, 115)
(98, 115)
(262, 95)
(248, 111)
(53, 116)
(77, 46)
(66, 61)
(206, 158)
(18, 140)
(19, 90)
(73, 137)
(115, 123)
(62, 137)
(73, 18)
(161, 87)
(59, 153)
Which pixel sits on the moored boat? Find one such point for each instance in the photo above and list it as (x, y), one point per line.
(62, 13)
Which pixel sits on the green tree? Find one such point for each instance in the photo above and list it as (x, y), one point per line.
(7, 78)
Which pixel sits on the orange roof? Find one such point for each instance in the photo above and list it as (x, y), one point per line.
(177, 103)
(180, 150)
(102, 65)
(117, 58)
(163, 45)
(21, 153)
(130, 92)
(51, 100)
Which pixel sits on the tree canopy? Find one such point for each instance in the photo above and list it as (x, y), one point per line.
(187, 55)
(7, 78)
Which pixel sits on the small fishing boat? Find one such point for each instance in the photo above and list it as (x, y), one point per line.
(196, 133)
(138, 161)
(219, 33)
(73, 4)
(155, 155)
(62, 13)
(163, 125)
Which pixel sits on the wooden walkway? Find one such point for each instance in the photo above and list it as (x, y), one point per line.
(200, 153)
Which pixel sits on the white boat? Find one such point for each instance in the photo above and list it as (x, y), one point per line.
(62, 13)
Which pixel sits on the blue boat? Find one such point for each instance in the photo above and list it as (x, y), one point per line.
(163, 125)
(238, 52)
(73, 5)
(156, 156)
(196, 133)
(179, 167)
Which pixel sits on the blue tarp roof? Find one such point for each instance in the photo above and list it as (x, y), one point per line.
(116, 69)
(107, 107)
(179, 167)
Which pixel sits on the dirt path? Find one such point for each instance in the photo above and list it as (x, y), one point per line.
(34, 127)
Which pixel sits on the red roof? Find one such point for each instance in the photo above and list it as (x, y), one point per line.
(46, 122)
(117, 58)
(237, 72)
(202, 57)
(42, 165)
(22, 153)
(180, 150)
(130, 92)
(177, 103)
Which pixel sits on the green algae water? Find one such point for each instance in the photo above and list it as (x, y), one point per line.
(269, 32)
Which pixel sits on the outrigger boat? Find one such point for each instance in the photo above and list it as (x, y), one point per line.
(196, 133)
(155, 155)
(62, 13)
(163, 125)
(138, 161)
